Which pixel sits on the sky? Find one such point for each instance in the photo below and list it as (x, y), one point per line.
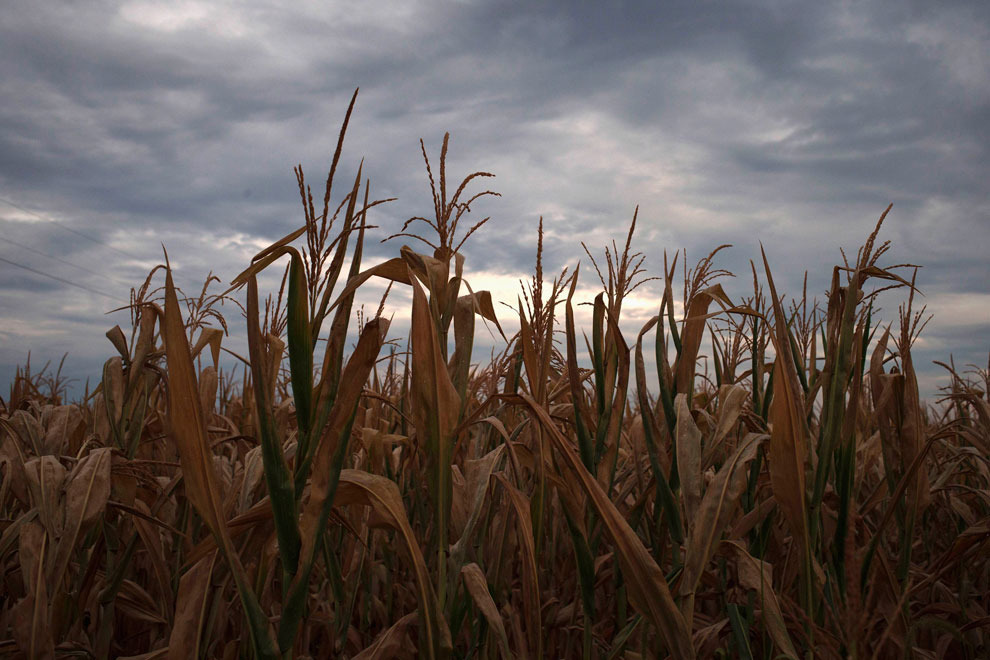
(126, 126)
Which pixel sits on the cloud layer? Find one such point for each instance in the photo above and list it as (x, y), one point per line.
(126, 125)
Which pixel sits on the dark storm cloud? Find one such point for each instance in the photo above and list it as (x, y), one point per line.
(790, 123)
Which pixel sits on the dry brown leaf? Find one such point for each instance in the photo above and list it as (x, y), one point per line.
(693, 332)
(190, 610)
(208, 382)
(755, 517)
(254, 473)
(64, 429)
(86, 495)
(481, 303)
(188, 427)
(395, 270)
(30, 616)
(688, 458)
(530, 575)
(788, 428)
(45, 477)
(645, 581)
(186, 417)
(265, 258)
(211, 337)
(912, 431)
(758, 575)
(477, 480)
(714, 513)
(435, 402)
(393, 643)
(458, 502)
(731, 400)
(381, 493)
(12, 464)
(113, 388)
(152, 540)
(477, 585)
(135, 602)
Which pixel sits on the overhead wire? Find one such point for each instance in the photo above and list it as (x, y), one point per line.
(61, 279)
(67, 228)
(61, 260)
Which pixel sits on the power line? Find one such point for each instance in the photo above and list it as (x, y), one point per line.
(64, 261)
(59, 279)
(68, 229)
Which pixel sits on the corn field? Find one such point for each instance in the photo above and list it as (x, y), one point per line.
(350, 494)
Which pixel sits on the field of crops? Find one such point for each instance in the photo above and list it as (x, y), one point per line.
(358, 495)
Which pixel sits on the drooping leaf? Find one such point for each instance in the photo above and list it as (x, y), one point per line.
(714, 513)
(188, 428)
(358, 487)
(645, 581)
(392, 643)
(692, 334)
(477, 586)
(758, 576)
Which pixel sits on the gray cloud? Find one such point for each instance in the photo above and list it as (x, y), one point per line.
(790, 123)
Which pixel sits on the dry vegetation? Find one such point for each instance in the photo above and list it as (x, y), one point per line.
(394, 500)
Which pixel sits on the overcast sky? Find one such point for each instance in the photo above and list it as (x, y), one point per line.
(125, 125)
